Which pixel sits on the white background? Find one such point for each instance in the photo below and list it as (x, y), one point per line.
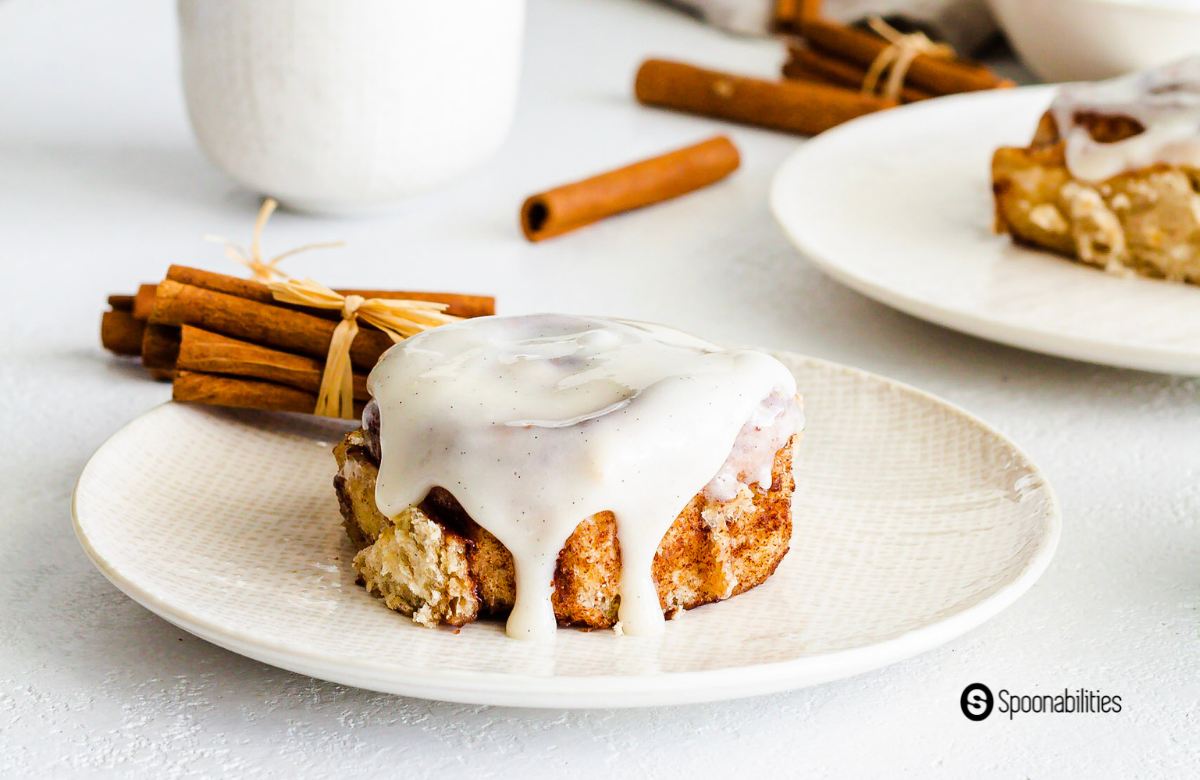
(101, 187)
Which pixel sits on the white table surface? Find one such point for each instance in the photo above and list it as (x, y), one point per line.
(101, 186)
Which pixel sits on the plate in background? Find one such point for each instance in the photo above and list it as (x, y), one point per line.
(915, 522)
(898, 206)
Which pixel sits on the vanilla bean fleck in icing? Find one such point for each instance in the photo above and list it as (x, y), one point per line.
(536, 422)
(1165, 101)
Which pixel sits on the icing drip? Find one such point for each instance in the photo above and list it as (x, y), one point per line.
(752, 459)
(537, 422)
(1165, 101)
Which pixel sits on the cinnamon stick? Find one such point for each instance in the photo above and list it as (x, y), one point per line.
(794, 106)
(811, 65)
(656, 179)
(212, 353)
(121, 303)
(121, 332)
(790, 14)
(941, 77)
(194, 387)
(160, 347)
(260, 323)
(143, 301)
(222, 283)
(460, 305)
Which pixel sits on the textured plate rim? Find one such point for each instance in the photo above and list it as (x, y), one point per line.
(1145, 357)
(608, 691)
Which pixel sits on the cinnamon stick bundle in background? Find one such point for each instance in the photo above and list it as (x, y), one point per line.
(793, 106)
(834, 45)
(670, 175)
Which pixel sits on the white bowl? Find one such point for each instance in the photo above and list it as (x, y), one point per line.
(349, 106)
(1084, 40)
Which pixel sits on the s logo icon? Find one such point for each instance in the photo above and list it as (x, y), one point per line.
(976, 701)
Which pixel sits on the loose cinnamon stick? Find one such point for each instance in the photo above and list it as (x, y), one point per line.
(941, 77)
(811, 65)
(193, 387)
(121, 332)
(794, 106)
(260, 323)
(160, 347)
(212, 353)
(460, 305)
(669, 175)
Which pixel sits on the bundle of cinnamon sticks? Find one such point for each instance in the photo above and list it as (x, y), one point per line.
(834, 73)
(830, 53)
(227, 341)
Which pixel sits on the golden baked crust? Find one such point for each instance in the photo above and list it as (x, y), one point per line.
(434, 563)
(1146, 221)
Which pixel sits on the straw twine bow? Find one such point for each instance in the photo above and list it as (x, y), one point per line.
(264, 270)
(896, 59)
(398, 318)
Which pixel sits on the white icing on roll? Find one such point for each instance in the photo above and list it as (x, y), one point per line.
(1166, 101)
(534, 423)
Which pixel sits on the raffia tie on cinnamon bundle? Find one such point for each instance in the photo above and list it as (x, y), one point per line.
(241, 343)
(880, 61)
(265, 270)
(399, 319)
(898, 57)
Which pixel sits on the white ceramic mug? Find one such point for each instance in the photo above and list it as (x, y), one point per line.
(348, 106)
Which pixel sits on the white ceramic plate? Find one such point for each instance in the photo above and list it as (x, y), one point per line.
(898, 206)
(914, 523)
